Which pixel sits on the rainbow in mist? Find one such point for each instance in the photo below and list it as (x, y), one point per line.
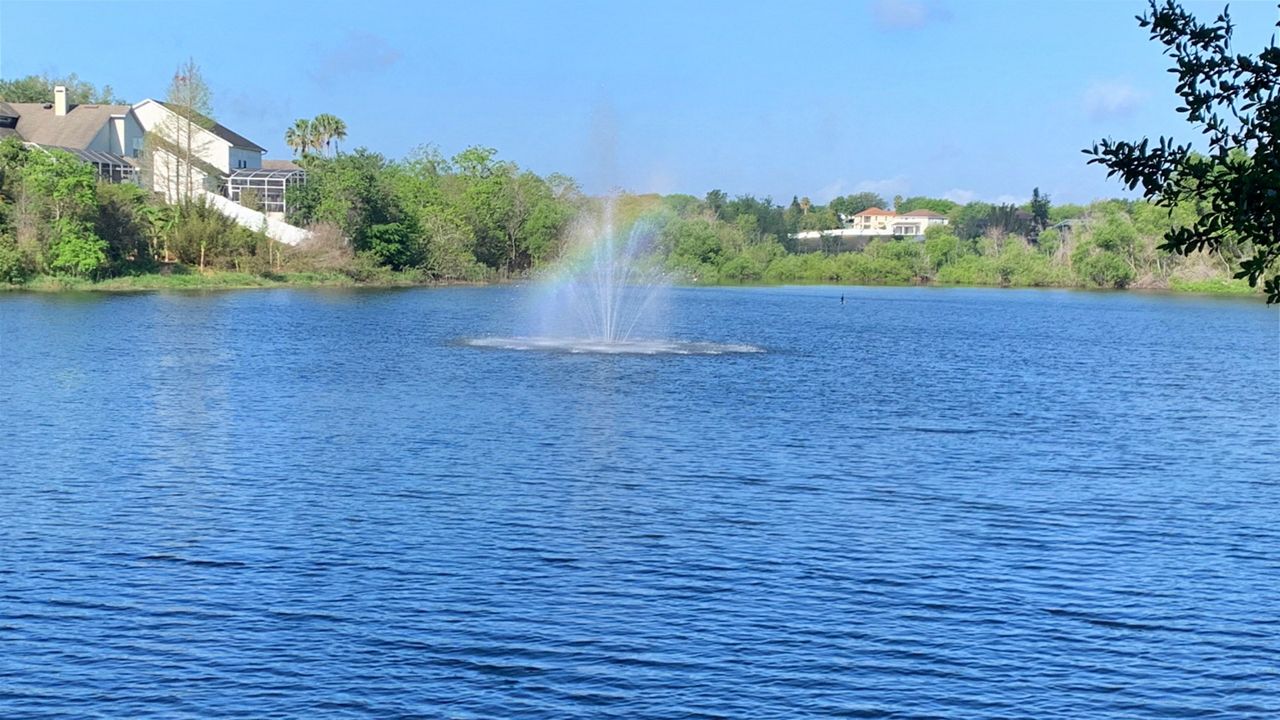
(607, 295)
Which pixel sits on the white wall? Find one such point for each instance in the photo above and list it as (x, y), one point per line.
(277, 230)
(168, 176)
(156, 118)
(118, 136)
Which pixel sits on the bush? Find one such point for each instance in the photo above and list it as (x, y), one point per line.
(76, 250)
(941, 246)
(13, 266)
(200, 234)
(1104, 269)
(741, 269)
(971, 270)
(121, 223)
(326, 250)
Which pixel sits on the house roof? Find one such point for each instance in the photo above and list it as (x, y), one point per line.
(266, 174)
(222, 131)
(875, 211)
(924, 213)
(96, 156)
(280, 165)
(38, 123)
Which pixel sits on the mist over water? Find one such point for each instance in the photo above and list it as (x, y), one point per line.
(609, 294)
(609, 287)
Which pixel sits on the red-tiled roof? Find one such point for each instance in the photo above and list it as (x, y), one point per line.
(875, 211)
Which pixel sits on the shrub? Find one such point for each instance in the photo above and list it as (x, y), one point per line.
(13, 266)
(1105, 269)
(971, 270)
(741, 268)
(76, 250)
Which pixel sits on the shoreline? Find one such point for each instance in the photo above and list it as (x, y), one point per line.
(232, 280)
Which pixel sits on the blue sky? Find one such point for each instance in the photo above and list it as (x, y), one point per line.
(964, 99)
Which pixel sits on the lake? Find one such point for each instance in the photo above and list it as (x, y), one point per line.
(921, 503)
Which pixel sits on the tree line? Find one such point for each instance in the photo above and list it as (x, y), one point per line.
(1207, 220)
(474, 216)
(1106, 244)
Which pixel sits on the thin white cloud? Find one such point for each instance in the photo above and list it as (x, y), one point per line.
(358, 53)
(907, 14)
(1009, 200)
(830, 191)
(1111, 99)
(957, 195)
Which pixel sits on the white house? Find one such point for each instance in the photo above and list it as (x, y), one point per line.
(151, 140)
(217, 150)
(916, 222)
(877, 222)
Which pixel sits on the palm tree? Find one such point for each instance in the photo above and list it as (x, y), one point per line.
(319, 137)
(339, 132)
(805, 205)
(329, 129)
(300, 137)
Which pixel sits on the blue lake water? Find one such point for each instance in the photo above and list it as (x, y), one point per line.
(923, 503)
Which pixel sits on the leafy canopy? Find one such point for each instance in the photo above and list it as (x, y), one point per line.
(39, 89)
(1232, 98)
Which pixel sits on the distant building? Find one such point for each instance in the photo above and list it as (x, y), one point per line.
(149, 142)
(113, 138)
(217, 151)
(107, 136)
(916, 222)
(264, 188)
(872, 222)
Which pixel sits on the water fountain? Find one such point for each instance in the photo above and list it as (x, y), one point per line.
(607, 295)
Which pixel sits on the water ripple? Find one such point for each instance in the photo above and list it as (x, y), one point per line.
(922, 504)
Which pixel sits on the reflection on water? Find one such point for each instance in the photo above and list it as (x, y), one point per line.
(620, 347)
(923, 503)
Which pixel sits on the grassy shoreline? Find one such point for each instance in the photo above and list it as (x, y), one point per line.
(218, 280)
(231, 280)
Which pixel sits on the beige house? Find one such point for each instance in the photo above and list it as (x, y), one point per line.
(872, 221)
(121, 140)
(108, 136)
(149, 143)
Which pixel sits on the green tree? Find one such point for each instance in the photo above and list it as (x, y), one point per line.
(1039, 211)
(75, 249)
(1232, 98)
(920, 202)
(121, 222)
(941, 245)
(715, 201)
(356, 193)
(175, 149)
(854, 204)
(39, 89)
(971, 220)
(300, 137)
(328, 130)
